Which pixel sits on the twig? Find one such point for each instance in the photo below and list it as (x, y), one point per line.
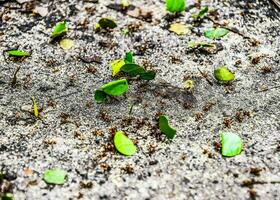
(14, 80)
(130, 110)
(206, 77)
(249, 183)
(277, 3)
(266, 89)
(90, 60)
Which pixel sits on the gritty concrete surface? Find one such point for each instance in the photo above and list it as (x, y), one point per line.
(75, 134)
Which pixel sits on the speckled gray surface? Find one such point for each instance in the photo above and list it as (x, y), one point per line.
(75, 133)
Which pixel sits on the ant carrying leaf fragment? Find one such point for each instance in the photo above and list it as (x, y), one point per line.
(175, 6)
(125, 4)
(194, 45)
(123, 144)
(114, 88)
(55, 176)
(166, 128)
(59, 29)
(231, 143)
(128, 66)
(105, 23)
(18, 53)
(117, 64)
(223, 75)
(216, 33)
(35, 108)
(201, 13)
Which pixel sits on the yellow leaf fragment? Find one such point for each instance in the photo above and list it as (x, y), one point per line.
(188, 84)
(35, 108)
(66, 44)
(116, 66)
(125, 3)
(180, 29)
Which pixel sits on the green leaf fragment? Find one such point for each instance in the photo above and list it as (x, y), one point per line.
(132, 69)
(201, 13)
(2, 176)
(100, 96)
(128, 57)
(135, 70)
(7, 196)
(125, 31)
(107, 23)
(193, 44)
(59, 29)
(175, 5)
(148, 75)
(18, 53)
(223, 75)
(115, 88)
(205, 44)
(55, 176)
(123, 144)
(127, 66)
(232, 144)
(216, 33)
(97, 26)
(165, 128)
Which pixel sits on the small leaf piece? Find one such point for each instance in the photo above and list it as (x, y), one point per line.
(97, 26)
(165, 128)
(223, 75)
(128, 57)
(216, 33)
(55, 176)
(66, 44)
(125, 31)
(18, 53)
(201, 13)
(193, 44)
(7, 196)
(100, 96)
(127, 66)
(35, 108)
(132, 69)
(107, 23)
(115, 88)
(116, 66)
(59, 29)
(231, 144)
(180, 29)
(175, 5)
(123, 144)
(125, 3)
(148, 75)
(188, 84)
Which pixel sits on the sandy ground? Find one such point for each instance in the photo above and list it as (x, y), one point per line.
(75, 134)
